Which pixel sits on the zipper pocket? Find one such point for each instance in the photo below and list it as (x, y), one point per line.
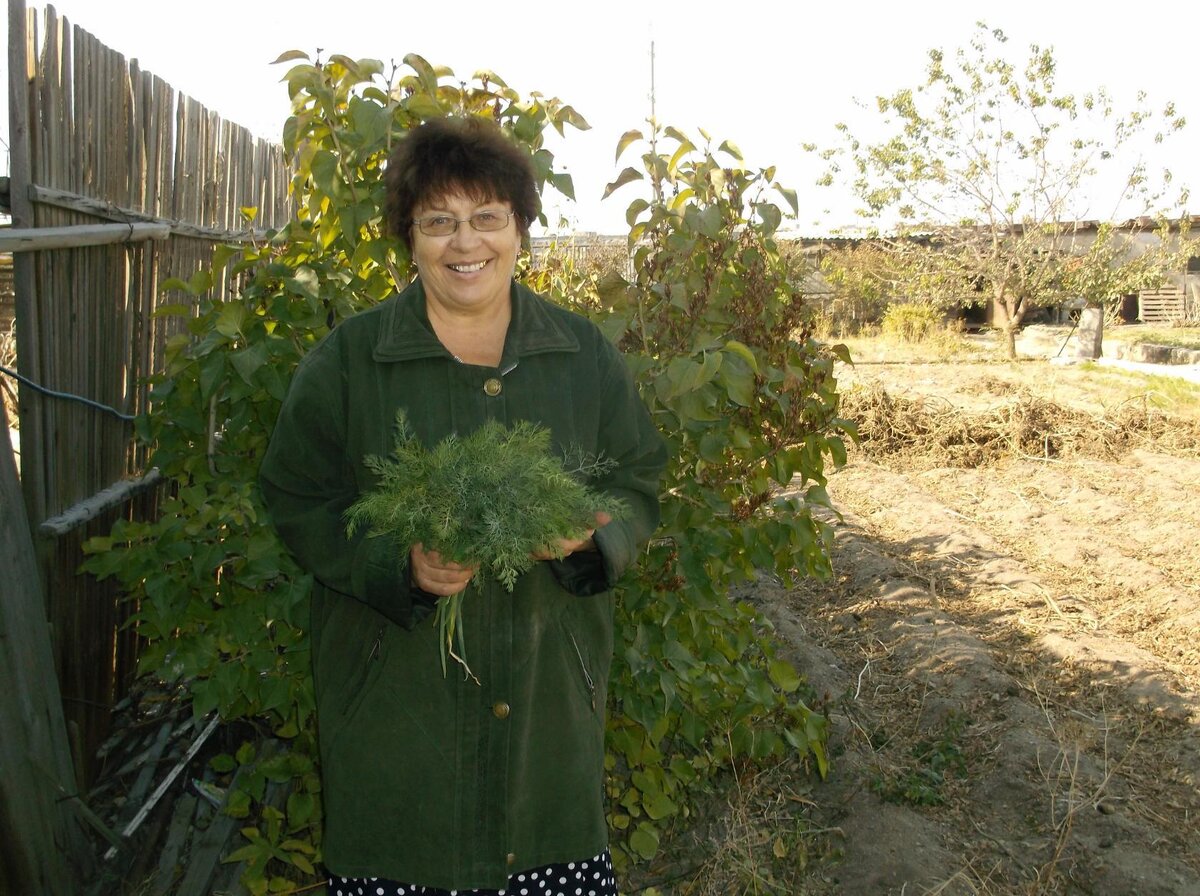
(587, 676)
(374, 654)
(364, 676)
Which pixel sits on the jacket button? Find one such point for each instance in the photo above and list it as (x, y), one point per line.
(492, 387)
(511, 858)
(500, 710)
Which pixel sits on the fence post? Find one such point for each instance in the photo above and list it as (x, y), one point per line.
(42, 848)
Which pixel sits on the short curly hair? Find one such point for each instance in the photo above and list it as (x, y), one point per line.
(471, 156)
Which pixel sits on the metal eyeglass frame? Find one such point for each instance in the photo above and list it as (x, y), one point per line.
(422, 222)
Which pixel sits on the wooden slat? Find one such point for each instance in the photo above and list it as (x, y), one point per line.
(30, 239)
(101, 143)
(1161, 305)
(38, 837)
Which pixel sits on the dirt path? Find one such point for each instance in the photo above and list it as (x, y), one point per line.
(1012, 659)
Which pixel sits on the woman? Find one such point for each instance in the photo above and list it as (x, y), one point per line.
(434, 782)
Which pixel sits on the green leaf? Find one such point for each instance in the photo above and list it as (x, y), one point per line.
(230, 319)
(635, 209)
(171, 310)
(325, 171)
(644, 840)
(301, 861)
(212, 372)
(237, 804)
(738, 381)
(201, 281)
(837, 451)
(744, 352)
(710, 221)
(790, 196)
(659, 806)
(251, 853)
(423, 107)
(685, 375)
(770, 215)
(249, 361)
(563, 183)
(628, 175)
(784, 676)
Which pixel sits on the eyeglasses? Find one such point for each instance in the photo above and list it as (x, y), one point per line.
(444, 225)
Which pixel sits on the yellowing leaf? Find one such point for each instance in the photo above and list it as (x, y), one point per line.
(626, 176)
(290, 55)
(626, 139)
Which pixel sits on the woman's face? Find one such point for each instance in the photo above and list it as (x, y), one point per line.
(468, 270)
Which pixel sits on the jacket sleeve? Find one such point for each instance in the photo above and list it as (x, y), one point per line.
(308, 482)
(628, 436)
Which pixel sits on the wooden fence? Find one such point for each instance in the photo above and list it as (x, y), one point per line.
(117, 183)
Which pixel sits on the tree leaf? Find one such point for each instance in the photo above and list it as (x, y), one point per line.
(628, 175)
(628, 138)
(784, 676)
(732, 148)
(790, 196)
(289, 55)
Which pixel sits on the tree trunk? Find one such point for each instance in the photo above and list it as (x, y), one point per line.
(1008, 319)
(41, 845)
(1010, 340)
(1013, 311)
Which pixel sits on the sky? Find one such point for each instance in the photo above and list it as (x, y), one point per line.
(769, 76)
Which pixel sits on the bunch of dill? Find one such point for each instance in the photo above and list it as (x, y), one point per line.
(490, 499)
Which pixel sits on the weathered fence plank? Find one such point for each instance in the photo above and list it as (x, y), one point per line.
(32, 239)
(40, 844)
(99, 143)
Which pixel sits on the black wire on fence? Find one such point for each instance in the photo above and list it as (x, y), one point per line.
(129, 418)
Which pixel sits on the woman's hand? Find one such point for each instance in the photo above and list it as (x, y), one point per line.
(431, 573)
(565, 547)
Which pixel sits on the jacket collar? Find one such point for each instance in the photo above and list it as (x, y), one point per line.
(405, 333)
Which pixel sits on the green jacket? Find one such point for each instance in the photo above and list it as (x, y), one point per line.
(434, 779)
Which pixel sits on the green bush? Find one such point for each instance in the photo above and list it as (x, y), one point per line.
(709, 325)
(912, 322)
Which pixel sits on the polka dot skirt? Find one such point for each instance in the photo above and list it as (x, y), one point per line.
(593, 877)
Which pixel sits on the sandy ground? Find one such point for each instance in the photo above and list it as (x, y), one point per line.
(1011, 656)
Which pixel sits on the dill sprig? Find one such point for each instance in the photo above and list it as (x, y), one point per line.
(490, 499)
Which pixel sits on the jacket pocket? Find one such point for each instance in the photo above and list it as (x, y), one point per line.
(338, 705)
(585, 672)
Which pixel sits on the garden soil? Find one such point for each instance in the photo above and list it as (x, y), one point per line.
(1008, 652)
(1009, 648)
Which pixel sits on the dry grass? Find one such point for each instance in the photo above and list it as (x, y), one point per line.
(927, 432)
(756, 840)
(945, 344)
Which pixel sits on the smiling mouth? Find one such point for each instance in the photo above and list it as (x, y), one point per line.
(467, 268)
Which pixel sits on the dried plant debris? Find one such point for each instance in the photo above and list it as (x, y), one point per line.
(934, 432)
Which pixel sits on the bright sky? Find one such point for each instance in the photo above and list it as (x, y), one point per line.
(770, 76)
